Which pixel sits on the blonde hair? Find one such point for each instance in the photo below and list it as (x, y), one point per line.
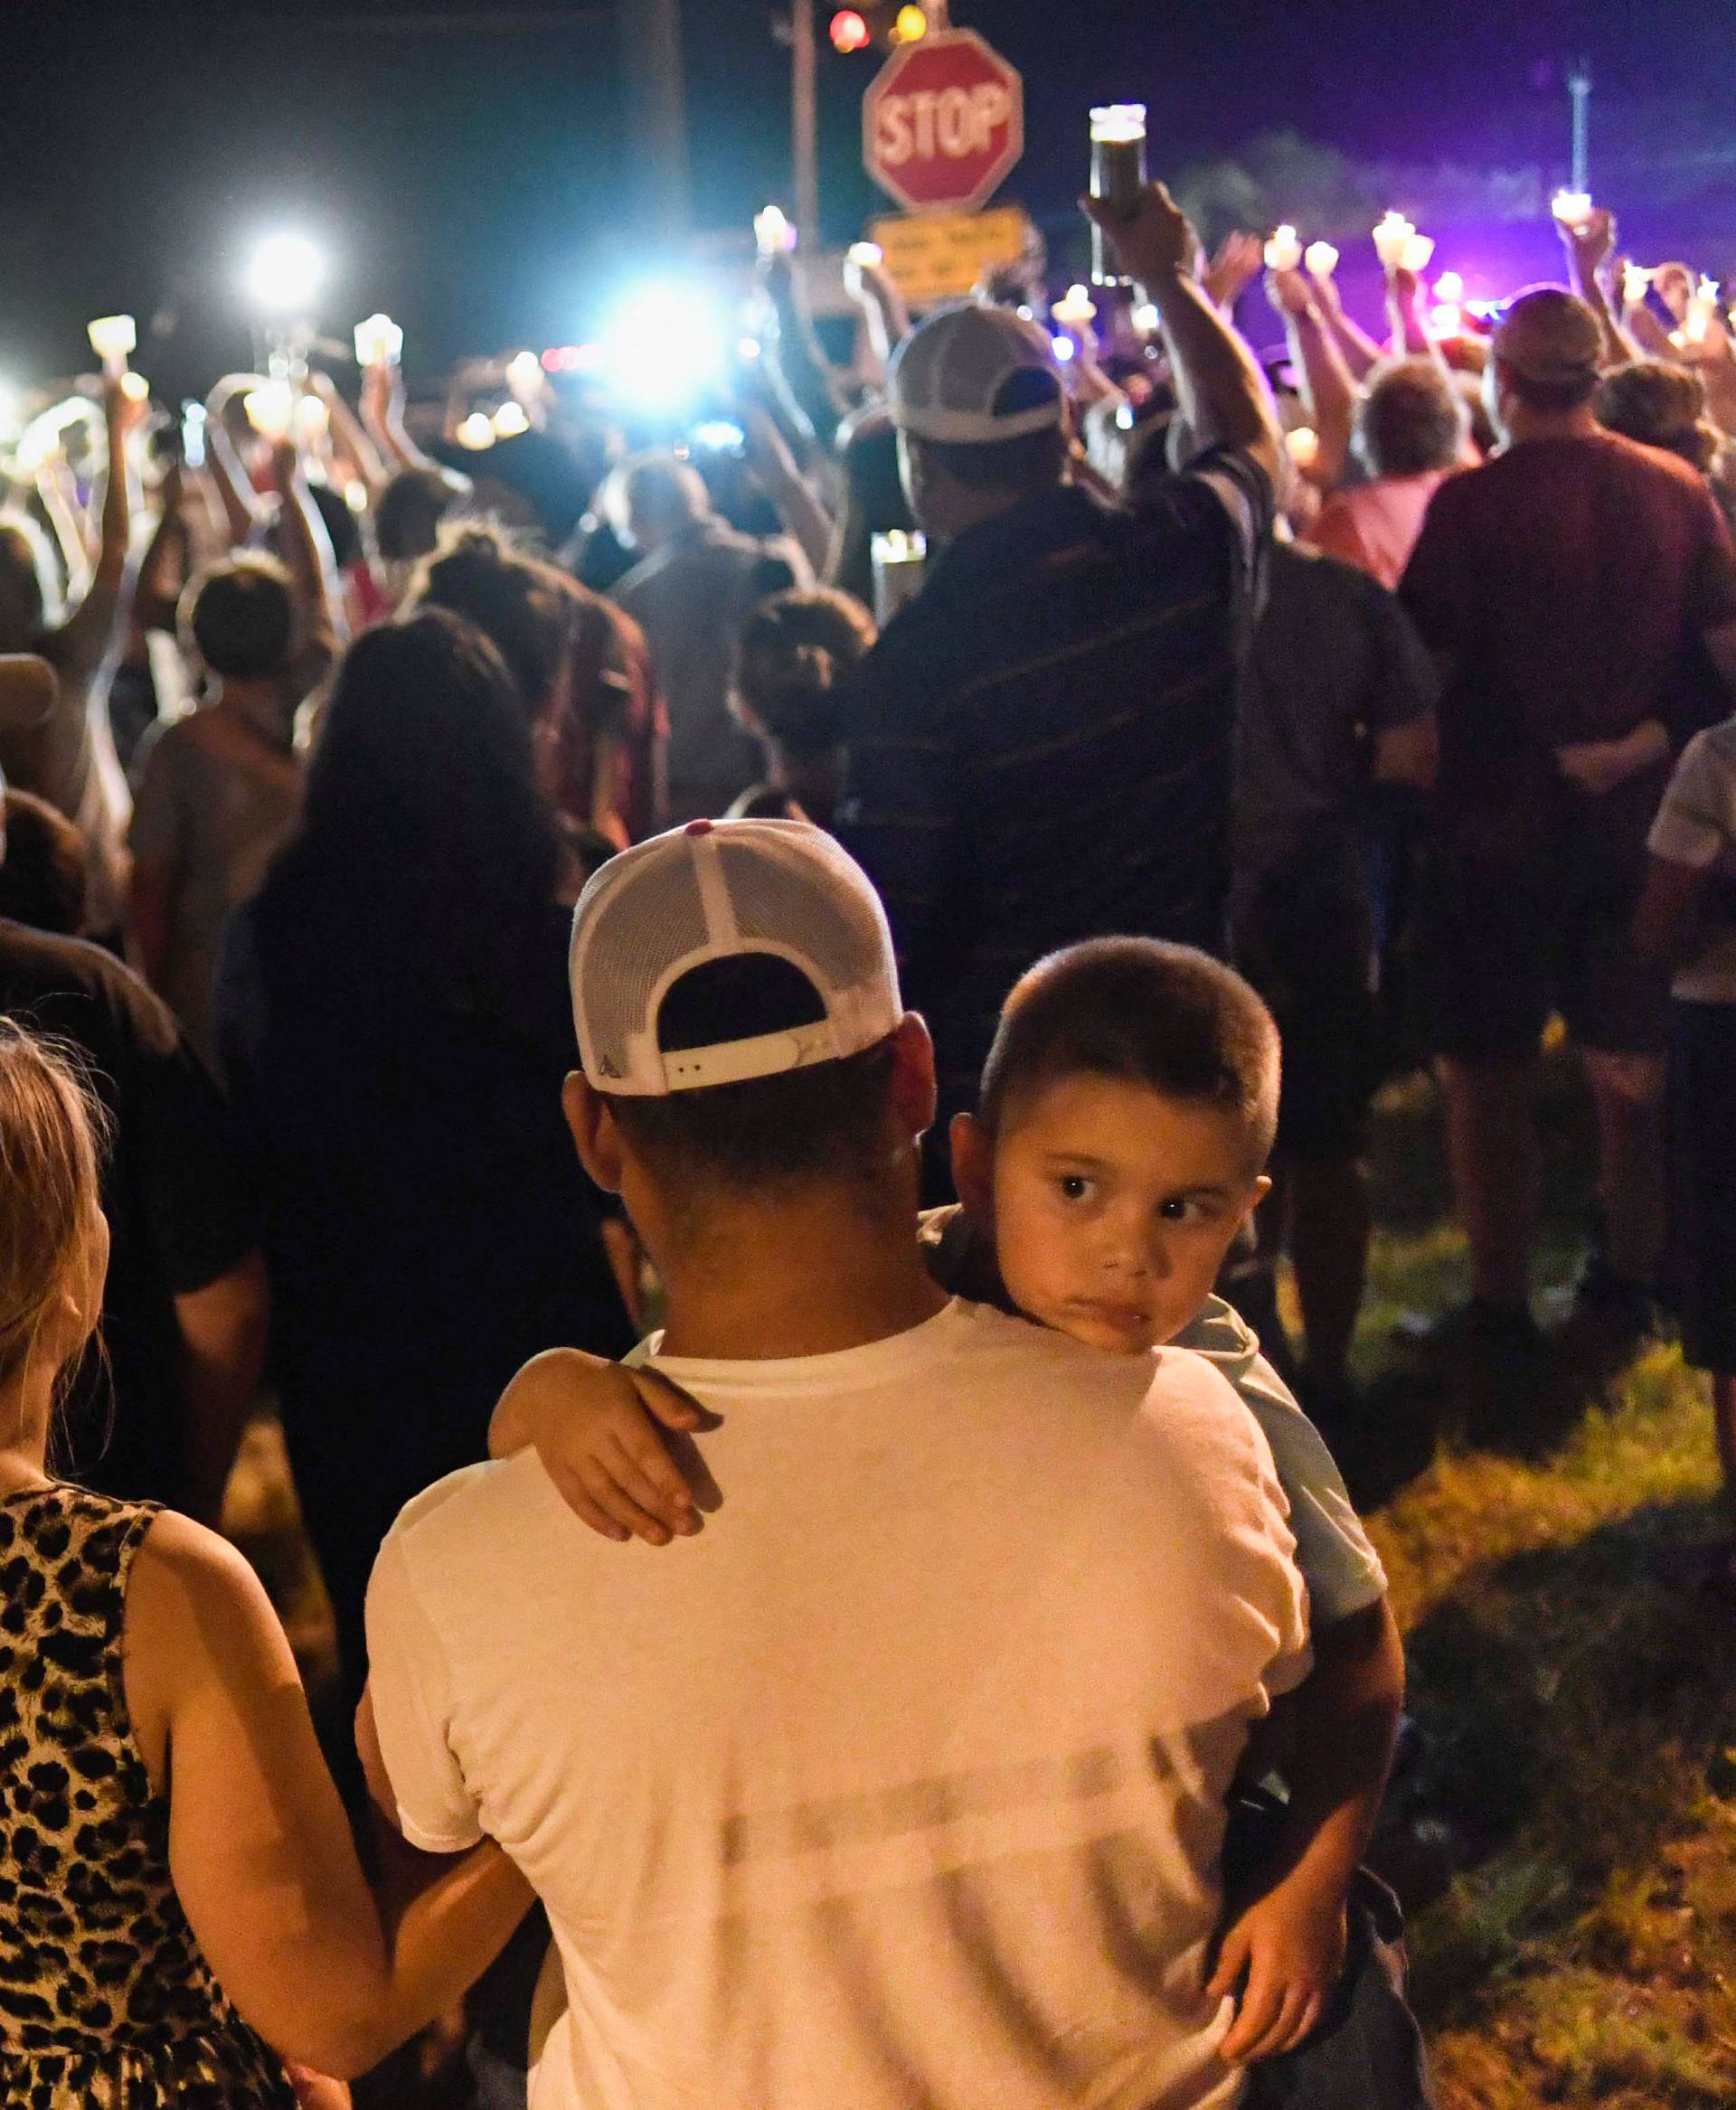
(52, 1131)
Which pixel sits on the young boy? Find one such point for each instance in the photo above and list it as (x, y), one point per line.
(1687, 920)
(1128, 1107)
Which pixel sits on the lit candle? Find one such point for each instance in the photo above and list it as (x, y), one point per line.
(867, 256)
(134, 387)
(1303, 445)
(1283, 252)
(113, 338)
(1076, 311)
(271, 410)
(1702, 306)
(1146, 318)
(476, 431)
(1118, 175)
(313, 421)
(1322, 259)
(772, 234)
(1417, 254)
(1446, 322)
(510, 421)
(1571, 207)
(1389, 237)
(379, 341)
(1449, 288)
(1636, 283)
(524, 376)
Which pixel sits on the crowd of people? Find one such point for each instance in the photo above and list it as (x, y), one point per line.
(455, 922)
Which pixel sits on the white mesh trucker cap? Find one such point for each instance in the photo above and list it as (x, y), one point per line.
(974, 375)
(717, 890)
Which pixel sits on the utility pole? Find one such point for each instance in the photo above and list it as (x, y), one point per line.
(1578, 86)
(804, 121)
(651, 68)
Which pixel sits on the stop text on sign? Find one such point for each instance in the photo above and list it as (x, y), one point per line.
(954, 121)
(943, 123)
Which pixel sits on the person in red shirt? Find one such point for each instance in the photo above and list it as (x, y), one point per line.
(1578, 589)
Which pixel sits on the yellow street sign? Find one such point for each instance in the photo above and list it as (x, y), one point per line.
(940, 256)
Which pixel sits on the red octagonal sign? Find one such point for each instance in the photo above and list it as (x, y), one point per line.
(943, 123)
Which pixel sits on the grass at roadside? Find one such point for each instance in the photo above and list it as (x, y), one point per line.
(1580, 1717)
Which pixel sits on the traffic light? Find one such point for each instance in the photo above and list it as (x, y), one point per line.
(882, 25)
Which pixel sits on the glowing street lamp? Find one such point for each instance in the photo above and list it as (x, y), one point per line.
(909, 24)
(286, 275)
(849, 31)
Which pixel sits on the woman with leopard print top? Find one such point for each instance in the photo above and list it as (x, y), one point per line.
(164, 1941)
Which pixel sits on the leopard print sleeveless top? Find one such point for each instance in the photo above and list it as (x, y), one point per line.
(106, 2001)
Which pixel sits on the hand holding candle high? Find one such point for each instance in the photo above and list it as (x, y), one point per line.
(379, 341)
(1284, 252)
(1571, 207)
(1636, 284)
(1418, 253)
(1076, 311)
(1703, 309)
(1389, 237)
(113, 339)
(271, 410)
(1118, 175)
(1302, 444)
(1322, 259)
(773, 235)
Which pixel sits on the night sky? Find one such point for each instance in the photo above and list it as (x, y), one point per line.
(465, 180)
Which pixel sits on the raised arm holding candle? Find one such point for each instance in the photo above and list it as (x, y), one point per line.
(1588, 233)
(1328, 393)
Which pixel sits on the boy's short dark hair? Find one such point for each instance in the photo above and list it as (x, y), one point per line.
(826, 1122)
(241, 614)
(1162, 1015)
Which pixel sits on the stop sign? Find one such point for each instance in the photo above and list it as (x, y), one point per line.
(943, 123)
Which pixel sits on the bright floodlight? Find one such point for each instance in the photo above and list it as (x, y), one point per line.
(665, 347)
(285, 274)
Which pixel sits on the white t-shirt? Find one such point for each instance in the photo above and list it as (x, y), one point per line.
(903, 1782)
(1696, 826)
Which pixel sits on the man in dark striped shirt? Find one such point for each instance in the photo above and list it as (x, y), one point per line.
(1040, 747)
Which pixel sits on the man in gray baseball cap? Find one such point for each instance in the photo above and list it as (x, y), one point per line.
(1039, 747)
